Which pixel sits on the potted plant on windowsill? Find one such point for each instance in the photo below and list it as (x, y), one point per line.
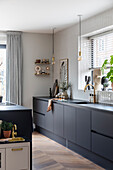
(7, 127)
(108, 64)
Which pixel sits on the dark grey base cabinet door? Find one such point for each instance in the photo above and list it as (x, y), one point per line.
(83, 128)
(70, 123)
(49, 121)
(58, 119)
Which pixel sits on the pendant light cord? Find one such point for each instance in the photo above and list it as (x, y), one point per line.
(80, 30)
(53, 40)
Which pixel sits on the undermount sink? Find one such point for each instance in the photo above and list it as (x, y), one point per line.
(74, 102)
(17, 139)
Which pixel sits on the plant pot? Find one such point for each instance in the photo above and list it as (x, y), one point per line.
(1, 98)
(64, 95)
(112, 86)
(7, 134)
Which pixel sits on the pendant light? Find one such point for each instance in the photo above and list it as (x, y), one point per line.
(53, 58)
(80, 56)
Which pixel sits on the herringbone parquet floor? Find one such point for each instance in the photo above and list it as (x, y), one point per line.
(49, 155)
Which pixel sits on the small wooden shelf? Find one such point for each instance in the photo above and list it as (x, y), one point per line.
(42, 74)
(42, 63)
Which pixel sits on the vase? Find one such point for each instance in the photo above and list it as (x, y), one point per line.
(7, 134)
(112, 86)
(64, 95)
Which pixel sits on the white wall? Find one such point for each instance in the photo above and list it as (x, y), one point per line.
(66, 46)
(35, 46)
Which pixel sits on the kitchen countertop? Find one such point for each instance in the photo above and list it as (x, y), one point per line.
(7, 106)
(6, 142)
(70, 102)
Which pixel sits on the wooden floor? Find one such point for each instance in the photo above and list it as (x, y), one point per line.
(49, 155)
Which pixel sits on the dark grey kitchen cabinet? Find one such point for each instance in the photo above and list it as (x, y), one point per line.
(83, 128)
(58, 119)
(102, 134)
(49, 120)
(42, 118)
(70, 123)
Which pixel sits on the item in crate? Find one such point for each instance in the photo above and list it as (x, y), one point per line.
(38, 69)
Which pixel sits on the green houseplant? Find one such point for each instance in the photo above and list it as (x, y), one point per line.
(108, 64)
(7, 127)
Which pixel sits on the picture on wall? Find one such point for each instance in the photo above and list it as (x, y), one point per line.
(64, 71)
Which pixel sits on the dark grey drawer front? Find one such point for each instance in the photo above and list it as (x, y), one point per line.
(40, 106)
(102, 146)
(102, 123)
(39, 120)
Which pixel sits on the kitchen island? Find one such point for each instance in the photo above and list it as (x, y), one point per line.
(22, 117)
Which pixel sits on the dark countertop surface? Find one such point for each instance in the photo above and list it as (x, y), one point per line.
(6, 142)
(77, 103)
(7, 106)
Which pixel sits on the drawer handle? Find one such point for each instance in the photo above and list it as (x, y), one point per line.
(17, 149)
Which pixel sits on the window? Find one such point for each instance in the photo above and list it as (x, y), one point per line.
(95, 49)
(102, 48)
(3, 71)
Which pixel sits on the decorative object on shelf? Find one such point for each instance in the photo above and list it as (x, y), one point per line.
(47, 68)
(43, 61)
(79, 57)
(64, 87)
(53, 58)
(38, 69)
(64, 71)
(7, 127)
(38, 61)
(109, 64)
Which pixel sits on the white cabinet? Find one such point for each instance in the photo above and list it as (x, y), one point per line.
(15, 156)
(2, 159)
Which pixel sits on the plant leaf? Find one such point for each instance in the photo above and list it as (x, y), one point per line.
(111, 60)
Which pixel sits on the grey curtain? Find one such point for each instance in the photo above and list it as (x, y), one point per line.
(14, 67)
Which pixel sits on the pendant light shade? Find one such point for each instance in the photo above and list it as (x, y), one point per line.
(79, 54)
(53, 58)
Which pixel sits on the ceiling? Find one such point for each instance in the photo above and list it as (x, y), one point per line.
(41, 16)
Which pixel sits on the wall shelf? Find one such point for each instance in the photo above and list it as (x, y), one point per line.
(42, 67)
(42, 74)
(42, 63)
